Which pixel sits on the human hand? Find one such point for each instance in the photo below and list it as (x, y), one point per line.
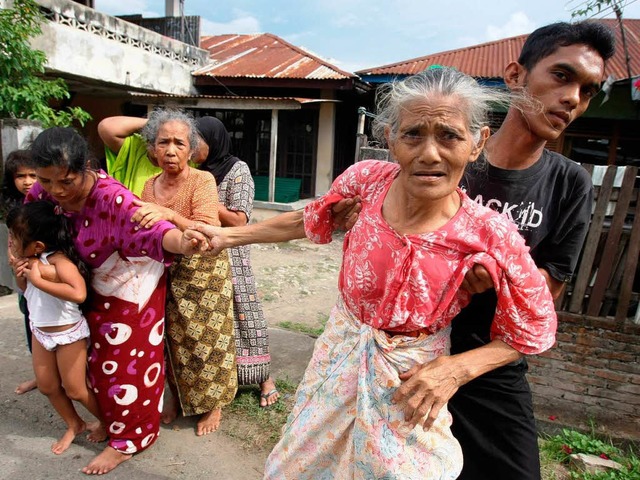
(216, 237)
(426, 389)
(149, 214)
(32, 272)
(193, 242)
(477, 280)
(19, 264)
(345, 213)
(49, 273)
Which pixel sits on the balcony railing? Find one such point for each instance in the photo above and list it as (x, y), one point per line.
(86, 19)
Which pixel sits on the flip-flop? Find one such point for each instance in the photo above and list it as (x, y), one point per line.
(267, 395)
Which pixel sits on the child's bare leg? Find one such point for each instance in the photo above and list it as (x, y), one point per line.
(49, 383)
(72, 365)
(105, 462)
(26, 386)
(170, 407)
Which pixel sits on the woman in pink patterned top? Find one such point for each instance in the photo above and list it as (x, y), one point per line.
(404, 261)
(125, 306)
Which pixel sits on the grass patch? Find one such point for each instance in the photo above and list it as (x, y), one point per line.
(256, 427)
(557, 450)
(307, 329)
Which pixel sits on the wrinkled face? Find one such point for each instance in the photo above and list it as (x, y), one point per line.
(69, 189)
(24, 178)
(564, 83)
(433, 146)
(172, 149)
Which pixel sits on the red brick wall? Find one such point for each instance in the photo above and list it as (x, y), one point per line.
(592, 374)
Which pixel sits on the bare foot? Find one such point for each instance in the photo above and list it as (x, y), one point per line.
(97, 432)
(268, 393)
(170, 410)
(25, 387)
(61, 445)
(209, 422)
(105, 462)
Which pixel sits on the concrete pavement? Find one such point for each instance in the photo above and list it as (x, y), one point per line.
(29, 425)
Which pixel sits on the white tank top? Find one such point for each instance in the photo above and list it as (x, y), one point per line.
(46, 310)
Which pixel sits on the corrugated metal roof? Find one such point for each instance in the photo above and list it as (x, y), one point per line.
(264, 56)
(225, 101)
(487, 60)
(229, 97)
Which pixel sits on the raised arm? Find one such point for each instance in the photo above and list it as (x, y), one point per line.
(114, 130)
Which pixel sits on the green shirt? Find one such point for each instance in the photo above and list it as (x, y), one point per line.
(131, 166)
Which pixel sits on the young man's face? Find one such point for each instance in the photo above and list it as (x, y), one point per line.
(564, 83)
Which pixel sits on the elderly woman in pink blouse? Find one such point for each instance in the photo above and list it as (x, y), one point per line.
(404, 260)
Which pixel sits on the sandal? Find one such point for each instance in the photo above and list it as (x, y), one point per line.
(267, 395)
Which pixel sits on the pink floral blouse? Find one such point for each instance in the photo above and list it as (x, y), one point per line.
(405, 283)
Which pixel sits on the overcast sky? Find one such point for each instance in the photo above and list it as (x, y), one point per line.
(358, 34)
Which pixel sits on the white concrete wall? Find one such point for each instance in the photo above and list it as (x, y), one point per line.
(83, 54)
(326, 141)
(83, 42)
(17, 134)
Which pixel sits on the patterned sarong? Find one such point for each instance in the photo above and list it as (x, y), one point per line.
(199, 318)
(343, 424)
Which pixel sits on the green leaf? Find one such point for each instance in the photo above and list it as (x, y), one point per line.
(24, 93)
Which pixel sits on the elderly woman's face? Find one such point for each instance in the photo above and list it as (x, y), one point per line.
(433, 146)
(171, 149)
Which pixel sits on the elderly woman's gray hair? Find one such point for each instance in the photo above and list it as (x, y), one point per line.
(160, 116)
(475, 99)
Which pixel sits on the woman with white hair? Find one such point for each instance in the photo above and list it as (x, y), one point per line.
(404, 260)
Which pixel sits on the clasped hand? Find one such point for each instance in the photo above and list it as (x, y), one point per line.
(426, 389)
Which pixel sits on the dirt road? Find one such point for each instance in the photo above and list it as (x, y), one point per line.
(297, 282)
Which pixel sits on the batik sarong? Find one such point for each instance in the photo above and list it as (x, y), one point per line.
(343, 424)
(201, 343)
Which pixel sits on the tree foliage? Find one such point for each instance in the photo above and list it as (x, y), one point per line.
(593, 6)
(24, 93)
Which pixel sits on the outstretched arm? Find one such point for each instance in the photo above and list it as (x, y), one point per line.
(114, 130)
(281, 228)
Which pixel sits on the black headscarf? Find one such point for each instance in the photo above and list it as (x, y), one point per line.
(219, 161)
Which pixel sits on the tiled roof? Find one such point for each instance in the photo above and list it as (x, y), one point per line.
(264, 56)
(488, 60)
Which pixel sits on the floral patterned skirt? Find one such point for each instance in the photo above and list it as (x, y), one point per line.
(343, 424)
(200, 336)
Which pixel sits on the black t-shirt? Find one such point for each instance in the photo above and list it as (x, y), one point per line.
(550, 202)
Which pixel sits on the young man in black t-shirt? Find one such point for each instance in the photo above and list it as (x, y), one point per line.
(549, 197)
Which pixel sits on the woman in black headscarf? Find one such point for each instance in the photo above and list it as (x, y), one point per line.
(236, 192)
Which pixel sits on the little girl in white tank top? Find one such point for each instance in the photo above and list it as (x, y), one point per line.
(54, 284)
